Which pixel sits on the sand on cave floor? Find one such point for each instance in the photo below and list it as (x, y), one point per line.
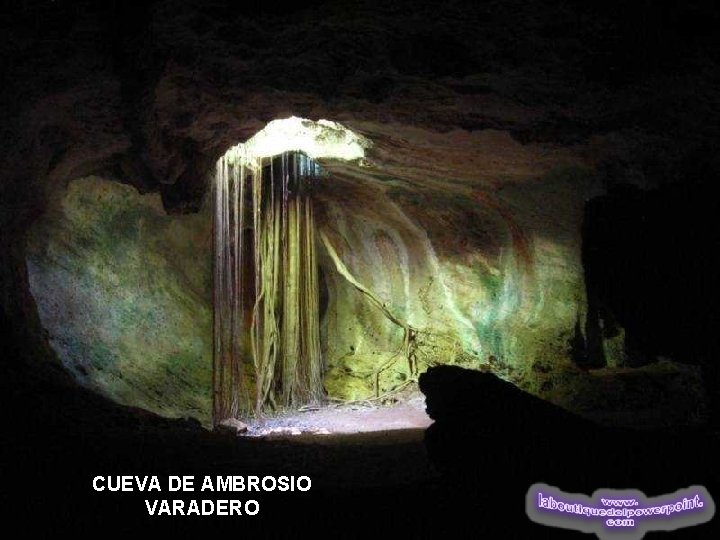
(404, 421)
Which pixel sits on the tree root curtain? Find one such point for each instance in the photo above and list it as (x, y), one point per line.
(266, 349)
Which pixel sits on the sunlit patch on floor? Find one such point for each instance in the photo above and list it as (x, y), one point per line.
(402, 421)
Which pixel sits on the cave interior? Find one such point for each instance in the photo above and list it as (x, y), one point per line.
(463, 240)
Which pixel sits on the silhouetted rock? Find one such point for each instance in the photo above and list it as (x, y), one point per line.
(453, 392)
(482, 419)
(491, 437)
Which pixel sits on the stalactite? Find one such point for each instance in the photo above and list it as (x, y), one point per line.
(284, 330)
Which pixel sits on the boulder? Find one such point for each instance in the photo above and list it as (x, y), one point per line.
(231, 426)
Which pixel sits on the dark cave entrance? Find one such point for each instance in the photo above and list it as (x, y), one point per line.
(648, 260)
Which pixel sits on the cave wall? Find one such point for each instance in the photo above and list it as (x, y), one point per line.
(486, 264)
(123, 291)
(123, 288)
(490, 273)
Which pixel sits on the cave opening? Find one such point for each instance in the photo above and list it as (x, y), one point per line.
(270, 291)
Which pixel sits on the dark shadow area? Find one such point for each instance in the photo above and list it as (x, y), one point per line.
(492, 441)
(69, 435)
(650, 268)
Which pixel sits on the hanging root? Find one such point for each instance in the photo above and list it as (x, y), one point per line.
(409, 346)
(230, 394)
(284, 330)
